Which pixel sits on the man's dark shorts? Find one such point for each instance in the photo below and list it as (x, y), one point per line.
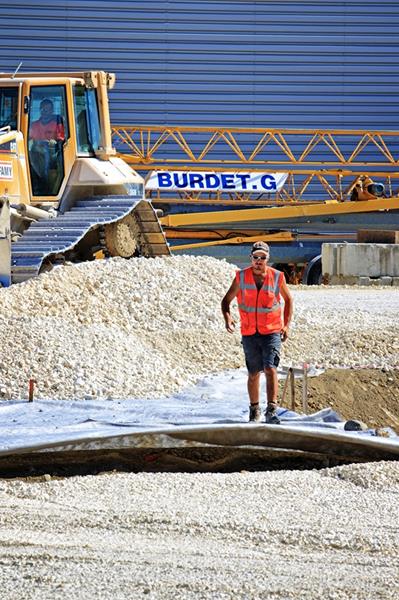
(261, 351)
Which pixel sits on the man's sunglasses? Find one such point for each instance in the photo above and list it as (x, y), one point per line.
(257, 257)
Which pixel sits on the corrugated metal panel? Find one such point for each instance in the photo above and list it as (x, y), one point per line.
(221, 62)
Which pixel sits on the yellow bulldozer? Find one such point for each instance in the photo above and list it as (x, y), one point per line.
(64, 194)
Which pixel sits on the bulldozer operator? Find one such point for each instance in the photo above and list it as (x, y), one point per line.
(47, 135)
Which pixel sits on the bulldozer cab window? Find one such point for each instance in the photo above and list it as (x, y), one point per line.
(9, 107)
(86, 119)
(48, 130)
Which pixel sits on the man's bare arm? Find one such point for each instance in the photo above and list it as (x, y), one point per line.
(288, 309)
(229, 297)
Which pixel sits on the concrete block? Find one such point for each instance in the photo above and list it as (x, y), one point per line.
(342, 280)
(371, 281)
(364, 281)
(395, 281)
(385, 280)
(360, 260)
(375, 281)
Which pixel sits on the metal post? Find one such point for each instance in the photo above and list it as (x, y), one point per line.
(292, 380)
(283, 395)
(305, 389)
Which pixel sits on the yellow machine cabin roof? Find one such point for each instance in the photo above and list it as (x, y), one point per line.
(89, 78)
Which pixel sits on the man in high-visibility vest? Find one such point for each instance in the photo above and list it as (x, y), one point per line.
(259, 290)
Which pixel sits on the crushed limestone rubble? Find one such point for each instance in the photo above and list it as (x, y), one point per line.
(149, 327)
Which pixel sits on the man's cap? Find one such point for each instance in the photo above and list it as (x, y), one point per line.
(260, 247)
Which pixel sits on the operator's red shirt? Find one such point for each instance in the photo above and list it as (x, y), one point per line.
(53, 130)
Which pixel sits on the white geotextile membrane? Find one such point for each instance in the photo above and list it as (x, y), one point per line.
(150, 327)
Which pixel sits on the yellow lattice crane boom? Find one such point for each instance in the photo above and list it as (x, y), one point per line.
(333, 162)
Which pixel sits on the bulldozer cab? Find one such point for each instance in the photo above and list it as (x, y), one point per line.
(60, 119)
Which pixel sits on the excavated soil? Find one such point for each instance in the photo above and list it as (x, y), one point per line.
(369, 395)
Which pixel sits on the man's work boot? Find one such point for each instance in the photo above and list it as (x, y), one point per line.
(271, 417)
(255, 414)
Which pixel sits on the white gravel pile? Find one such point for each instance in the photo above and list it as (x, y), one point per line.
(117, 328)
(288, 534)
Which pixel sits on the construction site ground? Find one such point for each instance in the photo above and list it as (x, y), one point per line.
(370, 395)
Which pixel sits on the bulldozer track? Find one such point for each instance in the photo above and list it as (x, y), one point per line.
(52, 238)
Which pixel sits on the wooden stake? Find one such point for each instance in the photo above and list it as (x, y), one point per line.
(31, 389)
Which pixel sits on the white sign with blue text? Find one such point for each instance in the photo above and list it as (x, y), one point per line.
(212, 181)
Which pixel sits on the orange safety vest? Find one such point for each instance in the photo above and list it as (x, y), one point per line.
(260, 310)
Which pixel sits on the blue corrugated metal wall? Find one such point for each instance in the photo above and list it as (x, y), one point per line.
(221, 62)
